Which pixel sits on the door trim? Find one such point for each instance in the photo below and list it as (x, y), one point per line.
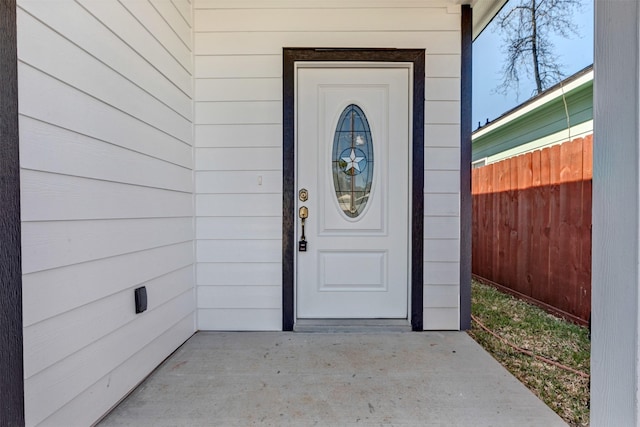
(416, 238)
(11, 336)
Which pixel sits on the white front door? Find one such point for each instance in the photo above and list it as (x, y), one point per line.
(353, 159)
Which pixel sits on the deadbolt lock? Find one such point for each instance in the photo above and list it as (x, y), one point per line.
(303, 195)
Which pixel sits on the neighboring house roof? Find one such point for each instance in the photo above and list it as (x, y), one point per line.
(560, 113)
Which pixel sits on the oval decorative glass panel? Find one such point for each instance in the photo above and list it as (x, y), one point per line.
(352, 161)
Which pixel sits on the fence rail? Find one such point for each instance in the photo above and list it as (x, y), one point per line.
(532, 226)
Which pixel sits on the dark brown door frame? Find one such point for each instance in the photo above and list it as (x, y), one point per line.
(11, 363)
(290, 57)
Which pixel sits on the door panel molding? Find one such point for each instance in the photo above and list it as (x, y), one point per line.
(289, 190)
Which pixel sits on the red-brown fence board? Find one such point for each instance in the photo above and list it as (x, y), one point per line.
(585, 242)
(532, 225)
(524, 172)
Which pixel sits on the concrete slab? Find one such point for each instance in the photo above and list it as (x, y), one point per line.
(331, 379)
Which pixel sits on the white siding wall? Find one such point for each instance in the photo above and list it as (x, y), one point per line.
(238, 135)
(106, 132)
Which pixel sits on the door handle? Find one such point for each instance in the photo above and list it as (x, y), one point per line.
(303, 213)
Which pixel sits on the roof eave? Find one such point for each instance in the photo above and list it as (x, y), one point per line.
(483, 12)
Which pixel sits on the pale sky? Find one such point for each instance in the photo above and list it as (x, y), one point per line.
(574, 54)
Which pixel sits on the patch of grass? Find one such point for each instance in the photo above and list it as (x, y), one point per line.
(533, 329)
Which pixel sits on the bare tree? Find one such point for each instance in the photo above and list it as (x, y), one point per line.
(527, 28)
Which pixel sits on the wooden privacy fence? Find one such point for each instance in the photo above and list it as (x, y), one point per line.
(532, 226)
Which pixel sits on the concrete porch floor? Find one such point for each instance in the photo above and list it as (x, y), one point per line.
(331, 379)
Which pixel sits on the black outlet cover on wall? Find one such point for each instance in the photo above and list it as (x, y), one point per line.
(141, 299)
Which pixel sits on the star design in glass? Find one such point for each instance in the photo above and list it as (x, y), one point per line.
(353, 162)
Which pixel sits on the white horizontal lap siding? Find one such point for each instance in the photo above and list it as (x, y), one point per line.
(238, 136)
(442, 193)
(442, 190)
(106, 150)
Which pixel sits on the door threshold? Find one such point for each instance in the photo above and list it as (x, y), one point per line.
(352, 325)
